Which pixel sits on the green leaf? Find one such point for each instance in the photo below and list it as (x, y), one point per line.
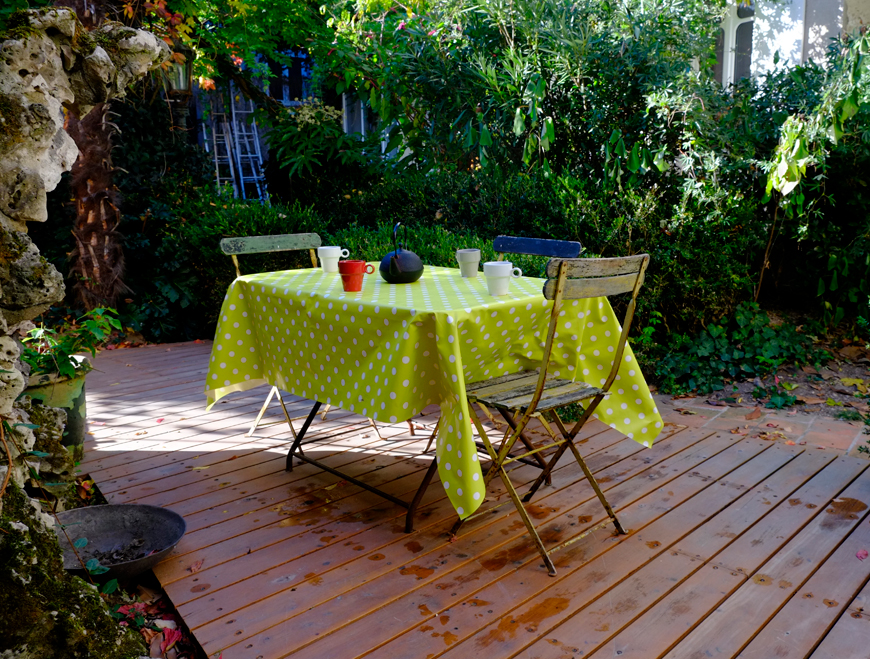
(849, 106)
(81, 542)
(110, 587)
(789, 386)
(614, 136)
(485, 137)
(634, 158)
(519, 122)
(822, 287)
(32, 426)
(659, 161)
(39, 454)
(620, 148)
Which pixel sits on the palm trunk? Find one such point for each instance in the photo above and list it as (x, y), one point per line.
(97, 262)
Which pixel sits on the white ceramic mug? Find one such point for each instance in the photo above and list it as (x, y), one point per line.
(469, 260)
(499, 275)
(329, 257)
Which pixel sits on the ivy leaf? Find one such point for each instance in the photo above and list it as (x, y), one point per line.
(110, 587)
(81, 542)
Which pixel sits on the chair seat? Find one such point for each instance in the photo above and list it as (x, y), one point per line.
(515, 392)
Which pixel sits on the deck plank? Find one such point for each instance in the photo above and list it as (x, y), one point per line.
(304, 565)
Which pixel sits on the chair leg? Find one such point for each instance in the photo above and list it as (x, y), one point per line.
(528, 444)
(524, 515)
(298, 441)
(433, 435)
(325, 411)
(375, 427)
(286, 414)
(272, 392)
(596, 487)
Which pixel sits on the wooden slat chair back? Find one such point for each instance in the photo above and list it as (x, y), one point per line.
(519, 397)
(288, 242)
(566, 249)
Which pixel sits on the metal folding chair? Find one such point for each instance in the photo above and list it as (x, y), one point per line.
(568, 249)
(288, 242)
(520, 397)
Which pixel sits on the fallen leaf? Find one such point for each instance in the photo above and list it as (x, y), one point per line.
(149, 634)
(811, 400)
(235, 457)
(684, 411)
(143, 432)
(160, 420)
(717, 403)
(790, 386)
(809, 370)
(196, 567)
(790, 443)
(736, 431)
(852, 353)
(197, 468)
(773, 425)
(97, 423)
(833, 403)
(170, 638)
(827, 374)
(862, 554)
(754, 414)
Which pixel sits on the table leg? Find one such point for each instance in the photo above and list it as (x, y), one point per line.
(298, 441)
(409, 518)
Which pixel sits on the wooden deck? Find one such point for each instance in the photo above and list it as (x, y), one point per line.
(737, 547)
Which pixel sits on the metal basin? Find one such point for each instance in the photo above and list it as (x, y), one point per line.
(148, 532)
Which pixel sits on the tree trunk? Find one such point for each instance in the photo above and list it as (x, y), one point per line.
(97, 261)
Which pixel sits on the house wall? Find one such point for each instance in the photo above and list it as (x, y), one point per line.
(823, 21)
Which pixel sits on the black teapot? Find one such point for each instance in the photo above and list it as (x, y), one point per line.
(401, 266)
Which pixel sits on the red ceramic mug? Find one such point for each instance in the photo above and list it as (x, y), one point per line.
(352, 274)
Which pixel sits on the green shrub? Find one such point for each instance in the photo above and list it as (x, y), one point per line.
(745, 347)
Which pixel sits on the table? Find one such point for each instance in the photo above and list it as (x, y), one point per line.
(390, 350)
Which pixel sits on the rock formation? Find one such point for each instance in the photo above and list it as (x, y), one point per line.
(48, 64)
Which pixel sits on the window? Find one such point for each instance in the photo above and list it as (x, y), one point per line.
(734, 44)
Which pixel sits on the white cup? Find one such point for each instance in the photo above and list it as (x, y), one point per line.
(499, 275)
(469, 260)
(329, 257)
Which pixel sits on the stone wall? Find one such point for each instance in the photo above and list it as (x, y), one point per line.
(48, 64)
(856, 14)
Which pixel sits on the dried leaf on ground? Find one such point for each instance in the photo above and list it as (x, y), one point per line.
(196, 567)
(683, 410)
(827, 374)
(811, 400)
(809, 370)
(853, 353)
(754, 414)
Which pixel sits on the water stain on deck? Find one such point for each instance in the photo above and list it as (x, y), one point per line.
(414, 547)
(417, 570)
(842, 511)
(424, 610)
(377, 557)
(530, 620)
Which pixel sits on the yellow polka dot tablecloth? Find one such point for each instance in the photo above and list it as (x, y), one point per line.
(392, 349)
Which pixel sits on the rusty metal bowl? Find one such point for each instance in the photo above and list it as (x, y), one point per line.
(114, 529)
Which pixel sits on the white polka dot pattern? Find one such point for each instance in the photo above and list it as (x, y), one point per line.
(390, 350)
